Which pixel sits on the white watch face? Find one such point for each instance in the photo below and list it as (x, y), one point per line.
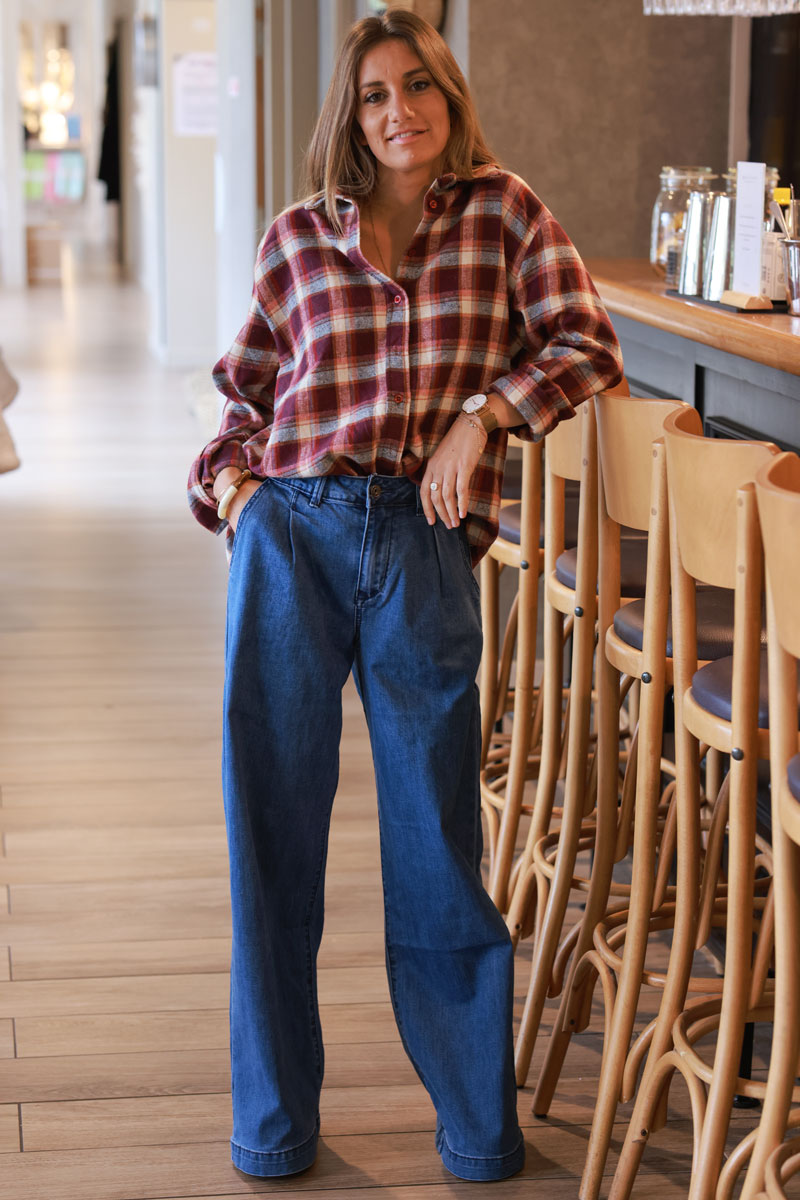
(473, 403)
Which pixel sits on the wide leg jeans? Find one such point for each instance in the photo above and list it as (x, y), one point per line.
(332, 575)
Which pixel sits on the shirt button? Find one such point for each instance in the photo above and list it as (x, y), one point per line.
(398, 398)
(375, 491)
(398, 299)
(433, 204)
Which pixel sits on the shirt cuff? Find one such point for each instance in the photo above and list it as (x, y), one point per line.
(202, 500)
(540, 410)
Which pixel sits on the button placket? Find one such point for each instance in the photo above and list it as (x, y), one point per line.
(397, 336)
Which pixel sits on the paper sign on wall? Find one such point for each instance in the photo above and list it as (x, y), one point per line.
(749, 227)
(194, 95)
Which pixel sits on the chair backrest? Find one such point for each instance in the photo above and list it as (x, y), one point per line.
(563, 445)
(704, 476)
(778, 495)
(627, 426)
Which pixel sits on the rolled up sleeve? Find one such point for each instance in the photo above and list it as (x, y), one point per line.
(245, 376)
(565, 349)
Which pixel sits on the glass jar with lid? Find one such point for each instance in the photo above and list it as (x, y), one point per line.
(669, 214)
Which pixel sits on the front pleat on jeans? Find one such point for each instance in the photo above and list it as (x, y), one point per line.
(437, 531)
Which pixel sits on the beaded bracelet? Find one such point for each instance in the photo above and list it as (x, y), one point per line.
(478, 426)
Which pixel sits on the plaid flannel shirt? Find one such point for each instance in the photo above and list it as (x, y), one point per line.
(341, 370)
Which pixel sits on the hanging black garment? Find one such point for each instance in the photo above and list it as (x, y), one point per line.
(109, 170)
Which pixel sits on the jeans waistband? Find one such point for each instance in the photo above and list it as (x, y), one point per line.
(364, 490)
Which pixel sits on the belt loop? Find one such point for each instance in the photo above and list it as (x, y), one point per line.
(320, 483)
(420, 509)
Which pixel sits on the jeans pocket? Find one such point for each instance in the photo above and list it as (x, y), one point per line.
(243, 515)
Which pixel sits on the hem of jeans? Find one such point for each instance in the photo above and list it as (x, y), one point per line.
(275, 1162)
(481, 1168)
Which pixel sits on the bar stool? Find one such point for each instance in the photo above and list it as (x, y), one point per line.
(636, 638)
(548, 873)
(511, 549)
(508, 762)
(505, 765)
(777, 487)
(712, 477)
(632, 495)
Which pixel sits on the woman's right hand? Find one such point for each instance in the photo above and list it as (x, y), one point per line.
(222, 482)
(240, 499)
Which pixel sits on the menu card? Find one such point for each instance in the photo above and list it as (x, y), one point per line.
(748, 227)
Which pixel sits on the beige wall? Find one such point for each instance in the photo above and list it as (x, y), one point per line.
(587, 98)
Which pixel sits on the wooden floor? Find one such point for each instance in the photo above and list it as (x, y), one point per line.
(113, 899)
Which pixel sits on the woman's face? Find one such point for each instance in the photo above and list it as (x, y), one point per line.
(403, 115)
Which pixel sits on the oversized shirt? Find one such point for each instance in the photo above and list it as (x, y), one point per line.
(341, 370)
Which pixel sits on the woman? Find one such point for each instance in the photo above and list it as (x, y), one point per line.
(362, 490)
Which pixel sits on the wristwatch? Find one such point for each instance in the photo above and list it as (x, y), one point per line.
(478, 406)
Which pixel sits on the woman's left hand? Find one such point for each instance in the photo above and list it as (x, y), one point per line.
(451, 466)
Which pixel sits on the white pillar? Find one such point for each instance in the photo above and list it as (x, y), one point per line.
(187, 306)
(237, 221)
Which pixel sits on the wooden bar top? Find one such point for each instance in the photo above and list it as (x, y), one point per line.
(630, 288)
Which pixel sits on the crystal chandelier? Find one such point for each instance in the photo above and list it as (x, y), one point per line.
(720, 8)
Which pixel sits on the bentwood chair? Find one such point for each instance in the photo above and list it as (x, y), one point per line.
(778, 496)
(714, 537)
(615, 944)
(563, 465)
(508, 761)
(547, 876)
(632, 495)
(506, 764)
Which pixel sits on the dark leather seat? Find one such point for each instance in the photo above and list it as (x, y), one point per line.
(632, 565)
(714, 624)
(711, 688)
(793, 775)
(510, 516)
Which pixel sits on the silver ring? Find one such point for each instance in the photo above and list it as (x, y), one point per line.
(434, 487)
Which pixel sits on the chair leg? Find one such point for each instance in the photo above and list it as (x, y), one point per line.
(552, 717)
(520, 737)
(490, 578)
(607, 759)
(713, 772)
(649, 1098)
(561, 885)
(736, 984)
(786, 1033)
(506, 661)
(648, 789)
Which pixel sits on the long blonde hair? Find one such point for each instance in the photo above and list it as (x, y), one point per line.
(336, 161)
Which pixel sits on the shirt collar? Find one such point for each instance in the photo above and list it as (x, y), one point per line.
(442, 183)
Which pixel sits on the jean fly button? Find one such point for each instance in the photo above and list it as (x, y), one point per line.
(375, 491)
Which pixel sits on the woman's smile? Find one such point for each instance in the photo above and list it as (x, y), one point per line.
(406, 136)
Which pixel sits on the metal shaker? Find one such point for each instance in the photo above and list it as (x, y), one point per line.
(717, 261)
(690, 267)
(791, 260)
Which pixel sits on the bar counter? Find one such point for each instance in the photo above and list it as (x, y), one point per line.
(738, 369)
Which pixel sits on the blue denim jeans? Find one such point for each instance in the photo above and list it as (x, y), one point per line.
(330, 575)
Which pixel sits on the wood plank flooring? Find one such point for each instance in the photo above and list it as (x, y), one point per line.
(114, 917)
